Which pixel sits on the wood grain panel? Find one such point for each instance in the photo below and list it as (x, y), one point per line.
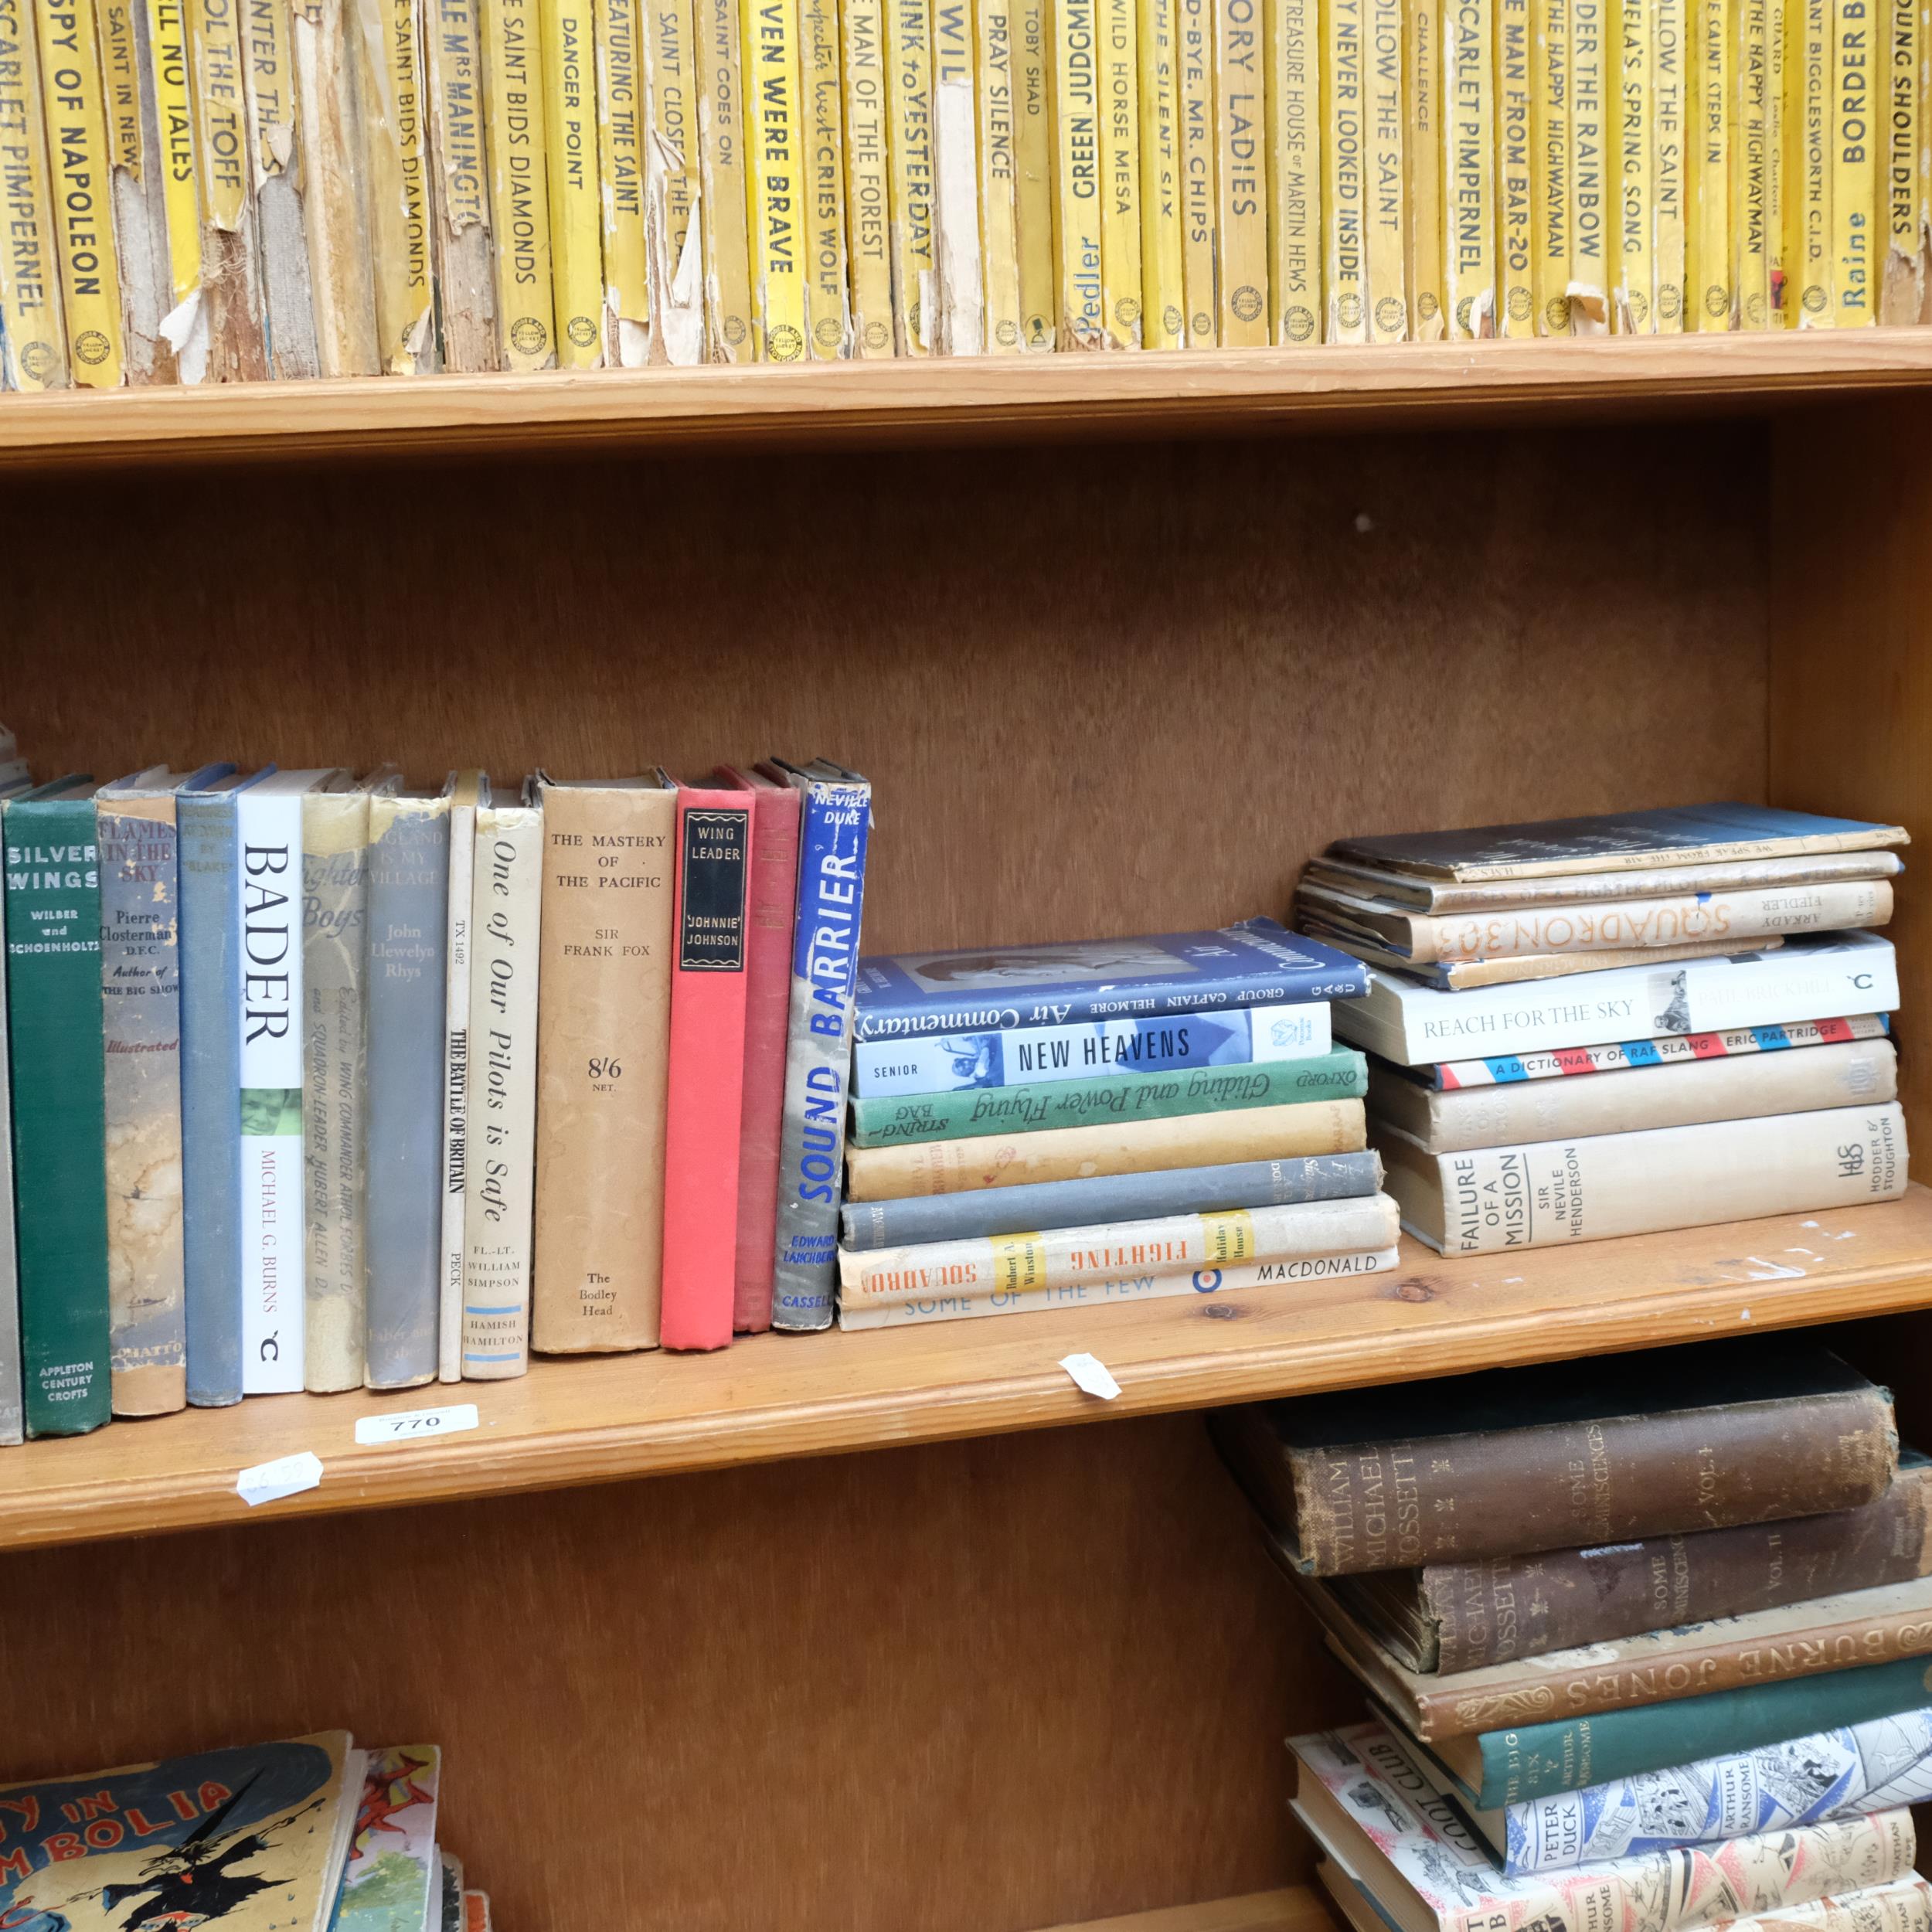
(973, 1688)
(1098, 691)
(1294, 1908)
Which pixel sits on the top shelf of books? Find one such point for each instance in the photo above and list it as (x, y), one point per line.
(1033, 399)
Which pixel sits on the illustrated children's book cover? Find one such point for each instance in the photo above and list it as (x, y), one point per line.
(393, 1870)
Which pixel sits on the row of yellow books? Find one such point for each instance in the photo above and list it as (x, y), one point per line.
(223, 190)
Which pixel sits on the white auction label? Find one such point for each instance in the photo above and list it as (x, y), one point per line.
(286, 1476)
(1092, 1375)
(417, 1425)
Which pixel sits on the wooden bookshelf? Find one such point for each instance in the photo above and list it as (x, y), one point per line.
(1057, 396)
(1295, 1908)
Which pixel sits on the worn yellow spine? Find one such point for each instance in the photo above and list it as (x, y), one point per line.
(1516, 189)
(513, 91)
(1344, 242)
(1707, 267)
(1780, 25)
(1163, 286)
(571, 171)
(1593, 230)
(724, 184)
(1549, 165)
(1384, 214)
(673, 168)
(1808, 199)
(1076, 131)
(1668, 163)
(174, 122)
(1633, 295)
(1034, 181)
(394, 142)
(31, 335)
(1295, 146)
(1750, 243)
(908, 144)
(1200, 251)
(1241, 172)
(230, 339)
(1922, 172)
(75, 112)
(1422, 165)
(868, 175)
(626, 315)
(957, 324)
(827, 302)
(1855, 135)
(774, 131)
(1119, 174)
(1902, 290)
(999, 177)
(1469, 176)
(135, 194)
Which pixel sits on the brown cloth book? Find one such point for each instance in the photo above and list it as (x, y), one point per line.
(1563, 1455)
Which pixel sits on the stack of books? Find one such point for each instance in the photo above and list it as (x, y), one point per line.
(1103, 1121)
(306, 1834)
(1646, 1640)
(1586, 1027)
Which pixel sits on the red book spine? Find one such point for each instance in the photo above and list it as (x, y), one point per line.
(774, 903)
(704, 1103)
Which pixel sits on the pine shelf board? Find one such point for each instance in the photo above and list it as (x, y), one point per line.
(1295, 1908)
(993, 398)
(590, 1419)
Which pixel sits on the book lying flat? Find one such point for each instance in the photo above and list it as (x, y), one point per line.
(1468, 975)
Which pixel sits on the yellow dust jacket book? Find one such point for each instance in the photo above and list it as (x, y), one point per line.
(1385, 210)
(1707, 266)
(774, 135)
(1549, 165)
(1807, 171)
(1751, 244)
(1668, 52)
(519, 194)
(999, 178)
(1515, 192)
(464, 257)
(1077, 126)
(174, 125)
(1294, 151)
(1903, 287)
(1200, 196)
(956, 326)
(828, 304)
(868, 176)
(1633, 288)
(1119, 174)
(1241, 171)
(908, 148)
(673, 228)
(619, 26)
(1781, 24)
(1163, 277)
(226, 336)
(78, 155)
(1468, 171)
(1034, 186)
(32, 337)
(570, 173)
(396, 149)
(1422, 164)
(1344, 241)
(1855, 135)
(1593, 227)
(725, 182)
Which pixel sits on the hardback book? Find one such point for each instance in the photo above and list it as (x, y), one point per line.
(341, 272)
(335, 1081)
(1113, 1147)
(955, 1304)
(603, 1034)
(281, 190)
(12, 1417)
(1545, 1193)
(1688, 1094)
(569, 71)
(712, 863)
(392, 92)
(1372, 1812)
(985, 1212)
(991, 988)
(221, 336)
(211, 1151)
(1079, 1049)
(140, 1027)
(1671, 1050)
(463, 248)
(1748, 1428)
(408, 979)
(1804, 979)
(467, 789)
(500, 1172)
(1465, 975)
(33, 337)
(516, 141)
(393, 1875)
(256, 1835)
(972, 1113)
(1458, 1616)
(772, 918)
(273, 1239)
(1175, 1244)
(59, 1176)
(835, 829)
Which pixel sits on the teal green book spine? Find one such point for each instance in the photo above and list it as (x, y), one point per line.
(53, 1013)
(1573, 1754)
(887, 1119)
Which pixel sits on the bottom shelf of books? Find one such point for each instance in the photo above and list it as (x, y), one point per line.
(580, 1419)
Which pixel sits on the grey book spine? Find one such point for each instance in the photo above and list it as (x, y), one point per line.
(1108, 1199)
(211, 1159)
(409, 858)
(12, 1414)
